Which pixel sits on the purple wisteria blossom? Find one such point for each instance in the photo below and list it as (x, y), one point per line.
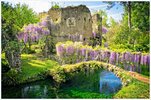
(132, 58)
(83, 51)
(137, 58)
(131, 61)
(148, 60)
(145, 59)
(33, 33)
(127, 56)
(92, 54)
(94, 34)
(112, 58)
(25, 38)
(60, 50)
(104, 30)
(43, 23)
(69, 50)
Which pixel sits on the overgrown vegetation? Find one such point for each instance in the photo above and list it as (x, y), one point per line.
(136, 89)
(130, 85)
(32, 44)
(133, 31)
(33, 68)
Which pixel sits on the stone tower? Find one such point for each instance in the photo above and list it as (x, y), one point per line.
(71, 23)
(97, 27)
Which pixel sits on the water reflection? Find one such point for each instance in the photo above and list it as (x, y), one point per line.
(40, 89)
(34, 91)
(109, 82)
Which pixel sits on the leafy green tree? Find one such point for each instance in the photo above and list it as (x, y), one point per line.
(140, 15)
(133, 35)
(136, 14)
(127, 5)
(56, 6)
(13, 19)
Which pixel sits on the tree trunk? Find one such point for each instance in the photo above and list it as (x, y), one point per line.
(129, 14)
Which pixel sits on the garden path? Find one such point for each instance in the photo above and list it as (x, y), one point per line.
(139, 77)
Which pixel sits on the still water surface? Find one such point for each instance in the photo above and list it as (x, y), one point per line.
(108, 83)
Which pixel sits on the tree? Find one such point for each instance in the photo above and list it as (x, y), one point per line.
(136, 14)
(140, 15)
(104, 19)
(127, 6)
(13, 19)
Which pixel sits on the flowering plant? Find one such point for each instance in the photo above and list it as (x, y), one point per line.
(79, 52)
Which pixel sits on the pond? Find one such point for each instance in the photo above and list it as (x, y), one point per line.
(101, 84)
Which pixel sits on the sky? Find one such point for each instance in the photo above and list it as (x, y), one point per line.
(44, 5)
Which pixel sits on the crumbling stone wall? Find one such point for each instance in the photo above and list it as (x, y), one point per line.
(96, 23)
(55, 14)
(71, 23)
(97, 27)
(74, 23)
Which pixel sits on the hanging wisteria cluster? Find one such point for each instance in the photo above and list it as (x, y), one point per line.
(104, 30)
(130, 61)
(33, 32)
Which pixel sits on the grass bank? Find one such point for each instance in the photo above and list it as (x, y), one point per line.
(32, 68)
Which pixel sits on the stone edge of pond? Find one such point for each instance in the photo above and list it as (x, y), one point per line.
(65, 72)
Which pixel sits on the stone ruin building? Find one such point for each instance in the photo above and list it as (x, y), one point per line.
(72, 23)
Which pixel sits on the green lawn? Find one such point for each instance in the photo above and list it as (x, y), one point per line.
(33, 66)
(137, 89)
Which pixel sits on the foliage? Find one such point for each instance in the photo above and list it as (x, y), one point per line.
(12, 46)
(19, 15)
(58, 74)
(136, 89)
(135, 37)
(33, 33)
(113, 23)
(75, 93)
(70, 53)
(33, 68)
(13, 19)
(104, 17)
(135, 40)
(140, 15)
(10, 78)
(5, 66)
(56, 6)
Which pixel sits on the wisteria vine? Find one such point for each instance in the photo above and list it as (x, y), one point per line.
(130, 60)
(33, 32)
